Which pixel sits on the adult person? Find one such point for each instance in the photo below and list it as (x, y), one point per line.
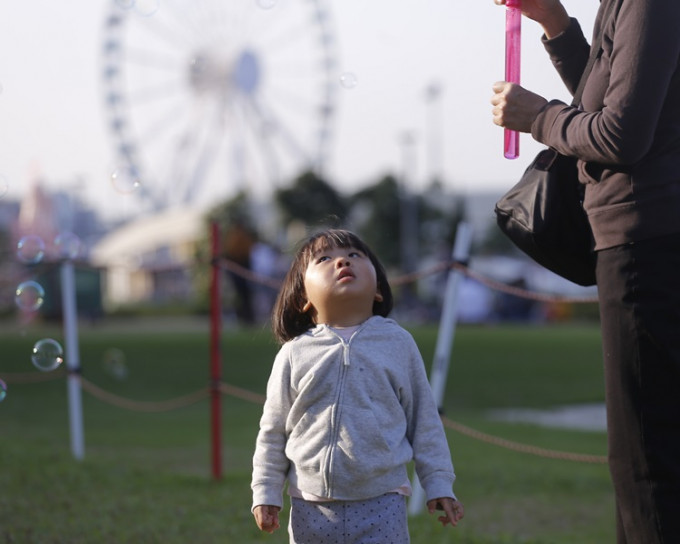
(626, 135)
(238, 244)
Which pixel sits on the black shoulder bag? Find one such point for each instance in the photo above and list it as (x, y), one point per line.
(543, 214)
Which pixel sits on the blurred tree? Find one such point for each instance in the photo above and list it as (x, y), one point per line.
(376, 212)
(439, 214)
(373, 212)
(234, 210)
(497, 243)
(8, 272)
(312, 201)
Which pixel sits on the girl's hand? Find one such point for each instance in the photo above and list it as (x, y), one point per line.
(515, 108)
(453, 510)
(267, 517)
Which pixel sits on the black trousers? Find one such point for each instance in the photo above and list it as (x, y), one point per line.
(639, 293)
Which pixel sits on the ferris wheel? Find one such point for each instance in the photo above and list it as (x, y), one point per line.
(204, 97)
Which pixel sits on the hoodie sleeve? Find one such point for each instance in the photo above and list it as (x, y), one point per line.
(426, 432)
(270, 464)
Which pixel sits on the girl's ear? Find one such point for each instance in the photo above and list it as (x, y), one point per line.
(378, 297)
(306, 307)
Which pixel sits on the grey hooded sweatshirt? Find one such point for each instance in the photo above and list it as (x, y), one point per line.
(343, 419)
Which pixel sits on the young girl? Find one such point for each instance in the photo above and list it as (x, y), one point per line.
(348, 406)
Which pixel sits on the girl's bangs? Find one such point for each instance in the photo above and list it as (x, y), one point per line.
(333, 239)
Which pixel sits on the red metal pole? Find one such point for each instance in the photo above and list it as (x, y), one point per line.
(215, 366)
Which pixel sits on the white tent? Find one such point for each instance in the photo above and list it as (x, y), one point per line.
(140, 252)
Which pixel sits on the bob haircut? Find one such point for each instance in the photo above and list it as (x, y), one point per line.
(288, 318)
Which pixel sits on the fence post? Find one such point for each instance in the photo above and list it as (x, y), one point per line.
(447, 329)
(70, 316)
(215, 370)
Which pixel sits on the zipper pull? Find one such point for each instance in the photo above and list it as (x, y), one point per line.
(345, 354)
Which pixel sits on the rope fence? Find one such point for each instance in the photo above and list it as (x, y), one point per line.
(517, 291)
(32, 377)
(144, 406)
(522, 448)
(413, 277)
(257, 398)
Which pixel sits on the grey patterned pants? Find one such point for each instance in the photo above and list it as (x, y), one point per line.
(381, 520)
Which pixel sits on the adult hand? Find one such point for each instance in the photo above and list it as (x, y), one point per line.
(550, 14)
(514, 107)
(267, 517)
(453, 510)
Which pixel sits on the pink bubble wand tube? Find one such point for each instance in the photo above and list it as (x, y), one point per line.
(513, 41)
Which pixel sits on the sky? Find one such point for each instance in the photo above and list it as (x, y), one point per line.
(384, 56)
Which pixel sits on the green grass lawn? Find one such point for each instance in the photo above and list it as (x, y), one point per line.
(146, 477)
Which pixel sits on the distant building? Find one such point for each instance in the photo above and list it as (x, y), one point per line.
(149, 259)
(9, 211)
(35, 235)
(37, 216)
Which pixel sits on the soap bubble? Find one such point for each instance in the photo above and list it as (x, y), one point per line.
(348, 80)
(47, 354)
(29, 296)
(67, 245)
(125, 179)
(146, 8)
(114, 363)
(3, 390)
(266, 4)
(4, 185)
(125, 4)
(30, 249)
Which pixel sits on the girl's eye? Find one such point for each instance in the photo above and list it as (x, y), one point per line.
(355, 254)
(322, 258)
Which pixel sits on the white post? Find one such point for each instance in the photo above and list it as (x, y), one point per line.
(69, 314)
(447, 323)
(447, 329)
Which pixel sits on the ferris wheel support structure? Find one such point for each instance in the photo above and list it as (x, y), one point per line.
(207, 97)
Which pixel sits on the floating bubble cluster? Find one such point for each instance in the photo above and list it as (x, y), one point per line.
(3, 390)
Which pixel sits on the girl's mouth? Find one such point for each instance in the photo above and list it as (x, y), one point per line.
(345, 274)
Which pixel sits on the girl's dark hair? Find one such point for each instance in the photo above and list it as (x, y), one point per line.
(288, 318)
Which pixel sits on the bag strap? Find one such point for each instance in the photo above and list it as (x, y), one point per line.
(595, 50)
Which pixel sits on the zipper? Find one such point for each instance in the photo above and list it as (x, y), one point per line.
(335, 419)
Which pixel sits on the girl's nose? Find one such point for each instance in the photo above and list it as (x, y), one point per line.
(342, 261)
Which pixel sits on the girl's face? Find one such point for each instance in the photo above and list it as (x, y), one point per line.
(340, 286)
